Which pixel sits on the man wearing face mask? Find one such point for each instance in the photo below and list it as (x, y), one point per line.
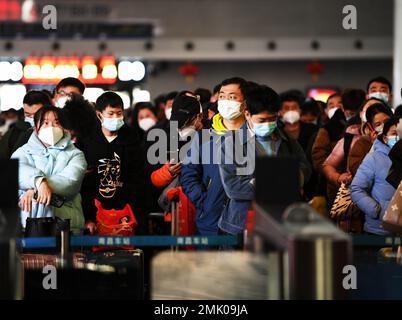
(263, 105)
(115, 175)
(19, 134)
(290, 113)
(65, 88)
(201, 180)
(380, 88)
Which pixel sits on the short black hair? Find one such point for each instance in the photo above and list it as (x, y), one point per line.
(243, 84)
(262, 99)
(205, 94)
(311, 106)
(39, 116)
(109, 98)
(352, 99)
(36, 97)
(380, 80)
(393, 121)
(71, 82)
(289, 96)
(375, 109)
(294, 94)
(79, 115)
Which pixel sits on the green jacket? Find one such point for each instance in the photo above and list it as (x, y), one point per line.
(15, 137)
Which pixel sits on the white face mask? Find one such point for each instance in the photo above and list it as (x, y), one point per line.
(229, 109)
(331, 112)
(379, 95)
(168, 113)
(379, 128)
(146, 123)
(61, 102)
(291, 117)
(30, 120)
(51, 135)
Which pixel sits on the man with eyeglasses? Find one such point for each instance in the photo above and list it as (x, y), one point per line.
(65, 88)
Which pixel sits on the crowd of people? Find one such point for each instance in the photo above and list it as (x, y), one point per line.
(95, 156)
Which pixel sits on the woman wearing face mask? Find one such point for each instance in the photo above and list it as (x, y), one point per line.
(143, 118)
(376, 114)
(369, 189)
(49, 164)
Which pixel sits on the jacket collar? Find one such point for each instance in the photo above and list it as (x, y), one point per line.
(381, 147)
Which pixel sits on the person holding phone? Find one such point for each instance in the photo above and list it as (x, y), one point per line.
(186, 112)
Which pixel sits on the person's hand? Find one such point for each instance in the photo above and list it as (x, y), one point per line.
(26, 201)
(91, 227)
(344, 178)
(174, 169)
(44, 193)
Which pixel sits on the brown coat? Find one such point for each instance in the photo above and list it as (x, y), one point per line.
(322, 148)
(357, 153)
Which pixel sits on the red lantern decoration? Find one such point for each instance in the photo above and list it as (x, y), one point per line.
(315, 68)
(189, 71)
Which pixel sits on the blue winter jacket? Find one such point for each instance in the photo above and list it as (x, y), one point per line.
(202, 182)
(240, 188)
(369, 189)
(63, 166)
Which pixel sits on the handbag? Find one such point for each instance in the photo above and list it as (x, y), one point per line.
(392, 219)
(346, 214)
(45, 227)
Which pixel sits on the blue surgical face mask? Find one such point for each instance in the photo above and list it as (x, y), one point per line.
(30, 120)
(392, 140)
(264, 129)
(379, 95)
(112, 124)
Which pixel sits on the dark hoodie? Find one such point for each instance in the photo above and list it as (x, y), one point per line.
(115, 174)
